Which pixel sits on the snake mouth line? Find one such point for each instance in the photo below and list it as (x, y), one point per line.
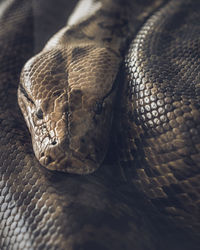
(70, 161)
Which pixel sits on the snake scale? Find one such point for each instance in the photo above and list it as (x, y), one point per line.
(149, 197)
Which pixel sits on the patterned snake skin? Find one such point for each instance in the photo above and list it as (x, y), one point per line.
(163, 112)
(40, 209)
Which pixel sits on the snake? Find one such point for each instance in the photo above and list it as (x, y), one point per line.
(154, 115)
(78, 112)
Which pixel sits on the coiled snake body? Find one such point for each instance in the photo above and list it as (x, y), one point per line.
(67, 94)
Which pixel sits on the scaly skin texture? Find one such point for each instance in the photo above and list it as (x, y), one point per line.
(44, 210)
(40, 209)
(161, 116)
(67, 92)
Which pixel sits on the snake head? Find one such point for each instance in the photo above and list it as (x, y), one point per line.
(66, 97)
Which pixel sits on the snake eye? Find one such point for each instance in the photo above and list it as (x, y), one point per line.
(39, 114)
(98, 108)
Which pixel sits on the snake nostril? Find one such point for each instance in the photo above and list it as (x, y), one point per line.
(39, 114)
(54, 142)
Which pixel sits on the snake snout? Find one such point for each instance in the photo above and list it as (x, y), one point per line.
(59, 156)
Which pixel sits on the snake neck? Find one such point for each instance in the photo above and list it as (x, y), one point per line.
(105, 23)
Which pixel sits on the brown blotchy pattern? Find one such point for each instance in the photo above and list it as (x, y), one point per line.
(163, 112)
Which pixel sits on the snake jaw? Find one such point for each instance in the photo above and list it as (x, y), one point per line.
(70, 163)
(61, 157)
